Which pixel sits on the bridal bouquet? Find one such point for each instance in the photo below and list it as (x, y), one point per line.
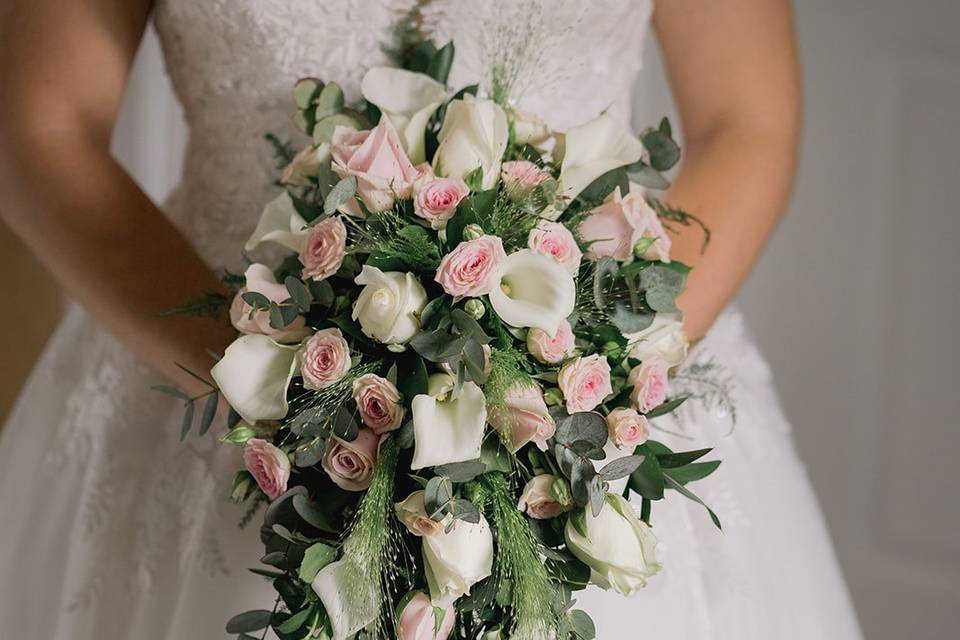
(444, 391)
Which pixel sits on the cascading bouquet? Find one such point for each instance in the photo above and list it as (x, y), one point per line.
(443, 392)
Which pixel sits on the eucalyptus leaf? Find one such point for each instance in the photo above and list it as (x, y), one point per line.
(330, 101)
(585, 425)
(312, 514)
(664, 151)
(316, 557)
(345, 189)
(582, 624)
(249, 621)
(437, 494)
(461, 471)
(345, 425)
(305, 91)
(620, 468)
(298, 292)
(255, 300)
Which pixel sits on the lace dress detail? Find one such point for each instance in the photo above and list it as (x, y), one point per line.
(112, 528)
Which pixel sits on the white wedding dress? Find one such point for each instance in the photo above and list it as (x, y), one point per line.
(110, 528)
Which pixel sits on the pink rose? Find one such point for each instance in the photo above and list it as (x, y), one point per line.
(260, 280)
(615, 227)
(379, 403)
(471, 268)
(418, 620)
(649, 381)
(324, 359)
(351, 464)
(521, 176)
(324, 249)
(412, 513)
(585, 382)
(436, 200)
(524, 417)
(377, 159)
(551, 350)
(627, 428)
(537, 499)
(555, 240)
(268, 465)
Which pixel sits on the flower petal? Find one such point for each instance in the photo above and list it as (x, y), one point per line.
(448, 431)
(408, 99)
(340, 589)
(535, 291)
(592, 149)
(254, 374)
(279, 223)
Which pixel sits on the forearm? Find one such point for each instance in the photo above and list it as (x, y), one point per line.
(110, 247)
(737, 181)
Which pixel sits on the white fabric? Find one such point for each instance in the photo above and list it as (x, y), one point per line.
(110, 528)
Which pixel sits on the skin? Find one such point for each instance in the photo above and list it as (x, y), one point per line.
(63, 67)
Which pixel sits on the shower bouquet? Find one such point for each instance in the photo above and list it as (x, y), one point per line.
(444, 393)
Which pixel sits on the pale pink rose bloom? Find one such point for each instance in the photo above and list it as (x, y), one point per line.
(324, 359)
(555, 240)
(627, 428)
(436, 200)
(649, 380)
(268, 465)
(418, 620)
(471, 268)
(260, 280)
(538, 501)
(324, 249)
(521, 176)
(377, 159)
(613, 228)
(305, 165)
(412, 513)
(351, 464)
(378, 402)
(524, 418)
(551, 350)
(585, 382)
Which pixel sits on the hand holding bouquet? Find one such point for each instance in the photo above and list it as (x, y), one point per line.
(444, 392)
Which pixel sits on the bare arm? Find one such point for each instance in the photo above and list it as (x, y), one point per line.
(733, 69)
(63, 65)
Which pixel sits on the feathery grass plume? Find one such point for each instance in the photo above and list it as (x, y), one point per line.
(518, 563)
(508, 366)
(372, 550)
(387, 234)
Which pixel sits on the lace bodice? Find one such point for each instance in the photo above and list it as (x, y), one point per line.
(233, 63)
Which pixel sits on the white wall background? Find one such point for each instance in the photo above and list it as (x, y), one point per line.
(854, 302)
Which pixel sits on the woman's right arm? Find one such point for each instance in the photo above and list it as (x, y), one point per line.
(63, 66)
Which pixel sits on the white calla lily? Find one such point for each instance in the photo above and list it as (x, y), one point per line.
(455, 560)
(534, 291)
(408, 99)
(593, 148)
(445, 429)
(279, 223)
(342, 594)
(254, 374)
(474, 134)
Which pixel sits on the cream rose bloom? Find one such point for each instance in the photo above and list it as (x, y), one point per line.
(664, 340)
(388, 308)
(474, 134)
(413, 514)
(455, 560)
(618, 547)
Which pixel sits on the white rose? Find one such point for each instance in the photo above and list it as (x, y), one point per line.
(618, 547)
(592, 149)
(456, 560)
(408, 99)
(528, 128)
(664, 340)
(447, 429)
(534, 290)
(474, 134)
(389, 305)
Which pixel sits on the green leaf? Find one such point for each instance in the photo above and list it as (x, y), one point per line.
(495, 456)
(298, 292)
(322, 292)
(647, 480)
(209, 412)
(172, 391)
(672, 460)
(255, 300)
(646, 176)
(474, 179)
(405, 435)
(312, 514)
(583, 627)
(329, 102)
(682, 490)
(323, 131)
(693, 472)
(249, 621)
(436, 496)
(283, 315)
(620, 468)
(239, 435)
(345, 189)
(306, 91)
(586, 425)
(440, 63)
(664, 151)
(316, 557)
(437, 346)
(667, 407)
(276, 559)
(415, 380)
(578, 518)
(468, 326)
(295, 621)
(345, 426)
(464, 510)
(187, 419)
(461, 471)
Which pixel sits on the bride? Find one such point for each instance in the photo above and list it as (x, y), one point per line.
(113, 529)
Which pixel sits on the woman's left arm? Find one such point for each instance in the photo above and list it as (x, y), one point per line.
(734, 73)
